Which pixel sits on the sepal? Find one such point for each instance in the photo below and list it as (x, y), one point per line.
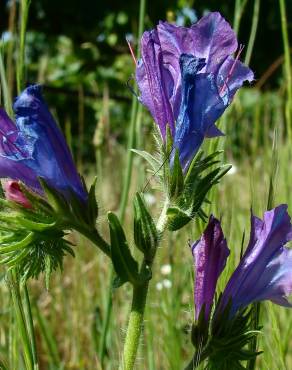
(197, 184)
(32, 240)
(145, 233)
(230, 337)
(72, 210)
(176, 180)
(200, 330)
(125, 265)
(154, 162)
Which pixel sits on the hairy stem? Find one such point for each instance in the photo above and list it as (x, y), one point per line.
(135, 325)
(136, 318)
(95, 238)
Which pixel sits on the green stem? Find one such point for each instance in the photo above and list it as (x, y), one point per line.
(238, 12)
(129, 165)
(132, 130)
(288, 73)
(106, 321)
(253, 31)
(136, 318)
(196, 360)
(30, 327)
(95, 238)
(20, 320)
(126, 181)
(49, 339)
(135, 325)
(20, 72)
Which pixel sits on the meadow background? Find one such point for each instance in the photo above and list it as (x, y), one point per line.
(77, 51)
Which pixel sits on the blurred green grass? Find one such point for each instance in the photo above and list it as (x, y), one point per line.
(69, 316)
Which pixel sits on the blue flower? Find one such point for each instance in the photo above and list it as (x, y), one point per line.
(34, 147)
(187, 78)
(265, 270)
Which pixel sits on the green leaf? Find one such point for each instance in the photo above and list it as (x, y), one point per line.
(125, 265)
(92, 204)
(177, 218)
(154, 162)
(55, 199)
(168, 141)
(176, 178)
(145, 232)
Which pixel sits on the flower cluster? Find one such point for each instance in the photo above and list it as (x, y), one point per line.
(44, 194)
(187, 78)
(263, 273)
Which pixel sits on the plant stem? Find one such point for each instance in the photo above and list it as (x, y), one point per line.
(30, 327)
(20, 320)
(135, 325)
(238, 12)
(196, 360)
(288, 73)
(95, 238)
(253, 31)
(49, 339)
(20, 71)
(136, 318)
(132, 130)
(106, 320)
(126, 184)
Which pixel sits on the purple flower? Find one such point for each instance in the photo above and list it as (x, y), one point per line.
(265, 270)
(210, 254)
(187, 78)
(34, 147)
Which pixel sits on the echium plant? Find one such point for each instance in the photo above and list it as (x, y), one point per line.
(186, 78)
(222, 329)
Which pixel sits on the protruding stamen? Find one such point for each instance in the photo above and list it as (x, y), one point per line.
(241, 47)
(132, 52)
(130, 87)
(10, 142)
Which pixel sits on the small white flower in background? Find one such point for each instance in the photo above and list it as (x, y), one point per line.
(159, 286)
(165, 269)
(167, 283)
(149, 199)
(232, 170)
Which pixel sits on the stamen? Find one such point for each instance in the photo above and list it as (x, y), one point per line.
(11, 143)
(241, 47)
(130, 87)
(132, 52)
